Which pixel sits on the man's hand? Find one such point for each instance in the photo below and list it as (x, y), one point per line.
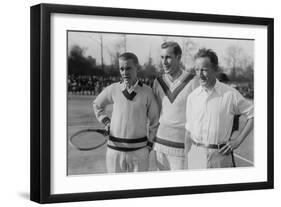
(152, 161)
(107, 128)
(187, 142)
(229, 147)
(235, 143)
(149, 146)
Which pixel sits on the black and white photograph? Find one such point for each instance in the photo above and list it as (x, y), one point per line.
(150, 103)
(140, 103)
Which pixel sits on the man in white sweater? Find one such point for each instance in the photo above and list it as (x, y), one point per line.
(134, 119)
(171, 91)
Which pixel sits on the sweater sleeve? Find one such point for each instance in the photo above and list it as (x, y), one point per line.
(100, 103)
(153, 116)
(155, 89)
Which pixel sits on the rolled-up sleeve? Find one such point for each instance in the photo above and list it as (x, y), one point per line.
(188, 113)
(243, 106)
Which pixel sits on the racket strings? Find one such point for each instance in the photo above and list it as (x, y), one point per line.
(88, 140)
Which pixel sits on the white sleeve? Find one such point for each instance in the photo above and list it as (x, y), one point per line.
(243, 106)
(100, 103)
(188, 113)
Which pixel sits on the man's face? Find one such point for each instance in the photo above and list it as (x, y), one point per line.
(169, 60)
(205, 71)
(128, 70)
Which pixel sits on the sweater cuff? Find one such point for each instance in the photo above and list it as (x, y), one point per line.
(150, 144)
(105, 120)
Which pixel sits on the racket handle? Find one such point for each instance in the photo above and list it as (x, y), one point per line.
(107, 128)
(102, 131)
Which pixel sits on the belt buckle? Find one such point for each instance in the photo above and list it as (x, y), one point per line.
(218, 145)
(195, 143)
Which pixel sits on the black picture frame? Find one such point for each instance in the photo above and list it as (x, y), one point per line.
(40, 177)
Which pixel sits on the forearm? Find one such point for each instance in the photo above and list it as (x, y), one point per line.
(187, 142)
(152, 131)
(244, 133)
(153, 116)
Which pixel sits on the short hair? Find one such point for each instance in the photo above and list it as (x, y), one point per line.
(176, 48)
(222, 77)
(203, 52)
(129, 56)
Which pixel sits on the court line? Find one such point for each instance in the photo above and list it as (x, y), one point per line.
(244, 159)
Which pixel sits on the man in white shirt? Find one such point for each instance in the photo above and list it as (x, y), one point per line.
(133, 106)
(210, 111)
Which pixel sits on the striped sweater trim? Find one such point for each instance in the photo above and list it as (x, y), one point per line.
(173, 95)
(123, 143)
(123, 149)
(129, 96)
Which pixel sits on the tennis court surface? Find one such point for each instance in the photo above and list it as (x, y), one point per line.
(81, 116)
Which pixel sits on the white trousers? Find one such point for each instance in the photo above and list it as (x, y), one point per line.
(202, 158)
(132, 161)
(165, 161)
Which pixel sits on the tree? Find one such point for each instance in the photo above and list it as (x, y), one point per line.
(188, 50)
(78, 64)
(240, 64)
(249, 72)
(148, 70)
(118, 49)
(233, 58)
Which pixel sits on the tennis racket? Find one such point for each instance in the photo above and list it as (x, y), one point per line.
(88, 139)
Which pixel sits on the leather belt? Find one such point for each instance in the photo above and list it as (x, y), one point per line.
(124, 149)
(169, 143)
(210, 146)
(126, 140)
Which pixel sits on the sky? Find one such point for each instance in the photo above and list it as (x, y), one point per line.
(145, 46)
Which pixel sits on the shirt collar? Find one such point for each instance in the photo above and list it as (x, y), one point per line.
(132, 88)
(216, 88)
(135, 85)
